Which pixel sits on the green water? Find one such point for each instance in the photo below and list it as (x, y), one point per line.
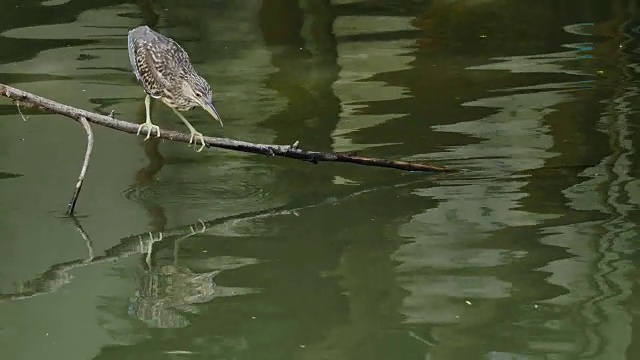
(529, 252)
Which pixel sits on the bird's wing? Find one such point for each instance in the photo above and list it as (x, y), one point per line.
(176, 58)
(132, 55)
(146, 67)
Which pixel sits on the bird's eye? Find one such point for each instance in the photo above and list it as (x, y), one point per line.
(198, 94)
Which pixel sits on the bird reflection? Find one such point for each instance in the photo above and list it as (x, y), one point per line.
(168, 290)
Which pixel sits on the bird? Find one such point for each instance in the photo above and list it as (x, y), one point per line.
(164, 70)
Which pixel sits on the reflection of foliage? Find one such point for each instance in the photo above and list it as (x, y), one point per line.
(462, 27)
(169, 290)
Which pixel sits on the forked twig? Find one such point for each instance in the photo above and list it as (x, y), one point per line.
(85, 165)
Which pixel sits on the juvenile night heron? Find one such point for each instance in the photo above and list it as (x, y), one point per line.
(165, 72)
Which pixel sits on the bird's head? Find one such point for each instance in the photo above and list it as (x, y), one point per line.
(200, 92)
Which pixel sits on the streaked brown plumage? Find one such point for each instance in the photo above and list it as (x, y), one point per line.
(166, 73)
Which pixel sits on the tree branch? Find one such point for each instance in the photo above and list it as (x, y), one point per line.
(288, 151)
(85, 165)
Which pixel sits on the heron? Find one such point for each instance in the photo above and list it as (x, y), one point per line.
(164, 70)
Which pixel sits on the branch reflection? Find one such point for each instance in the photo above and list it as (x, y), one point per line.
(58, 275)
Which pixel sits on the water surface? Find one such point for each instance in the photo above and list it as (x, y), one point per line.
(528, 252)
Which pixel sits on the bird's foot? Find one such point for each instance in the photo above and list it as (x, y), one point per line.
(149, 246)
(149, 243)
(194, 229)
(149, 127)
(192, 139)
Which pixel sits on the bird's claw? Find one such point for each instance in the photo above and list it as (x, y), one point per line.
(194, 228)
(149, 127)
(153, 240)
(149, 248)
(192, 140)
(150, 241)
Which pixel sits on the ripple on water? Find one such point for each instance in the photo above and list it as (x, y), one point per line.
(232, 193)
(363, 62)
(245, 186)
(191, 194)
(473, 245)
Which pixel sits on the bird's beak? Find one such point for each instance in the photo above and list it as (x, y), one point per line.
(208, 106)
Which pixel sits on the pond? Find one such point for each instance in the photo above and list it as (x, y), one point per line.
(526, 251)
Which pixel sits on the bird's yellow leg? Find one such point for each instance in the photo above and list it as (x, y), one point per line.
(149, 246)
(148, 124)
(193, 131)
